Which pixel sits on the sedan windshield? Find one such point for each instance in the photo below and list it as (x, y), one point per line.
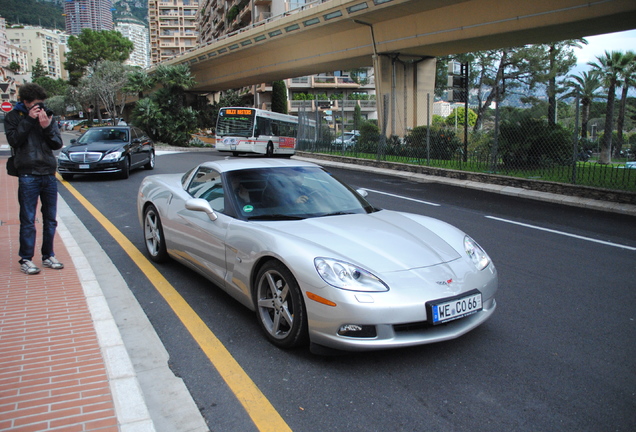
(114, 135)
(291, 193)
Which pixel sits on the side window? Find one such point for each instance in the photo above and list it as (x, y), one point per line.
(207, 184)
(264, 126)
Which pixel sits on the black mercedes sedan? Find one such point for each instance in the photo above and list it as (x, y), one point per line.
(107, 150)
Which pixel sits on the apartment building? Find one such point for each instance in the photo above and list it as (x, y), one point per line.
(335, 91)
(136, 32)
(91, 14)
(173, 28)
(39, 43)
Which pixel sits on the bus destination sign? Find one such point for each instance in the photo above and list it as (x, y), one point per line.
(248, 112)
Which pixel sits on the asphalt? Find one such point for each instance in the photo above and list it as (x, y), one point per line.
(77, 352)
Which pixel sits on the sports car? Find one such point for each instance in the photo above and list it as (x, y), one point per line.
(317, 263)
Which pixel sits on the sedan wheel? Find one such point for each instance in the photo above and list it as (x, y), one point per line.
(280, 307)
(153, 235)
(125, 169)
(151, 162)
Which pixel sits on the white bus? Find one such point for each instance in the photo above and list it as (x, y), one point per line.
(252, 130)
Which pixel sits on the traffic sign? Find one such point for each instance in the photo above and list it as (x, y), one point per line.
(6, 106)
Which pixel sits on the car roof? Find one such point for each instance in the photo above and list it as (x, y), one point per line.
(109, 127)
(236, 164)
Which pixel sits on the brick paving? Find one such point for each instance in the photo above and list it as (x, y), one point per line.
(52, 371)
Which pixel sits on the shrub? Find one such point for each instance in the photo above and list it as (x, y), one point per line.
(444, 143)
(533, 143)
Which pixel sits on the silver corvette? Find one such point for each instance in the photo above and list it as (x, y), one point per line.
(314, 259)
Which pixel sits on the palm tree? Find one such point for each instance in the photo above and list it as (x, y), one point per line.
(586, 87)
(561, 58)
(138, 82)
(175, 79)
(610, 67)
(628, 76)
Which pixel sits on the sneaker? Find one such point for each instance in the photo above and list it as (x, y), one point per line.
(53, 263)
(27, 267)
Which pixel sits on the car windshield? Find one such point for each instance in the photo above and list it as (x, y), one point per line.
(292, 193)
(104, 135)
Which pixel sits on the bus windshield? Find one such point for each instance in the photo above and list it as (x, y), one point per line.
(235, 124)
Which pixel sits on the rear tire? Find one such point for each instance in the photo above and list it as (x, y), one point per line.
(270, 150)
(153, 235)
(151, 162)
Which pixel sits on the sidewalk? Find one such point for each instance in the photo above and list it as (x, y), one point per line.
(66, 362)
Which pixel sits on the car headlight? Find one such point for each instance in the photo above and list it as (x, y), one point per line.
(476, 254)
(62, 156)
(113, 156)
(348, 276)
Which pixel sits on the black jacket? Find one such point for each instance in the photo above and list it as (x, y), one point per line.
(32, 146)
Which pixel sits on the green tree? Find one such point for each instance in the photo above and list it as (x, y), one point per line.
(108, 80)
(586, 86)
(628, 80)
(139, 82)
(90, 47)
(57, 104)
(610, 68)
(53, 87)
(164, 114)
(561, 59)
(357, 117)
(458, 115)
(499, 71)
(14, 67)
(279, 97)
(38, 70)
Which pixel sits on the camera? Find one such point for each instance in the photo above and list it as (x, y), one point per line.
(48, 112)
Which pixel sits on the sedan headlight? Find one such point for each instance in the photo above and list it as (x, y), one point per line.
(113, 156)
(62, 156)
(348, 276)
(476, 254)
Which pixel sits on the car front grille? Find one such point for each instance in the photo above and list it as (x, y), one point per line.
(84, 157)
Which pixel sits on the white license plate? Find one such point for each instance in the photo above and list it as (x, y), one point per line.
(84, 166)
(445, 310)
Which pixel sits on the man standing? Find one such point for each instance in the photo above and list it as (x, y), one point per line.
(33, 136)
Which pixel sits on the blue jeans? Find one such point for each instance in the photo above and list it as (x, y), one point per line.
(30, 188)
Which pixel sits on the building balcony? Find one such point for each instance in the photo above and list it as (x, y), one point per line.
(296, 106)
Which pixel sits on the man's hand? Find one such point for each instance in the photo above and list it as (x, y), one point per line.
(36, 112)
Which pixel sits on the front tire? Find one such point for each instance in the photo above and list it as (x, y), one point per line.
(67, 177)
(280, 307)
(125, 169)
(153, 235)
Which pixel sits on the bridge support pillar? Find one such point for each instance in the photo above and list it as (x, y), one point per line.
(404, 92)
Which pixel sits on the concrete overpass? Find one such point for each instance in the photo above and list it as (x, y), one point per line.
(346, 34)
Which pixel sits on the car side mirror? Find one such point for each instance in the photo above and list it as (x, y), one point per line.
(199, 204)
(73, 141)
(362, 192)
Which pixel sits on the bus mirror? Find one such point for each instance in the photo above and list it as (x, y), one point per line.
(257, 132)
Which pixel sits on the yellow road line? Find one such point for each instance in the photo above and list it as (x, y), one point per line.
(260, 410)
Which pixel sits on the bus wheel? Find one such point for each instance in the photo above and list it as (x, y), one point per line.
(270, 150)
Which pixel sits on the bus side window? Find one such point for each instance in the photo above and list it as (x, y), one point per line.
(275, 130)
(263, 126)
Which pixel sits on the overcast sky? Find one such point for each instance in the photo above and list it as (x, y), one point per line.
(621, 41)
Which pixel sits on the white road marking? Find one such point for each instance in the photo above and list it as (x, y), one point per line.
(563, 233)
(403, 197)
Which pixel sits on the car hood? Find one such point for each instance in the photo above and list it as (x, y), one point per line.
(383, 241)
(97, 146)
